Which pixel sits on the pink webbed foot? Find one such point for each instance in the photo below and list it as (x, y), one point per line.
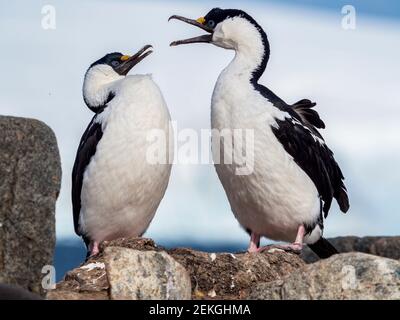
(295, 247)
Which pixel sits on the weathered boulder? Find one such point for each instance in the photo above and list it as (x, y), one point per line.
(388, 247)
(151, 275)
(30, 174)
(356, 276)
(212, 276)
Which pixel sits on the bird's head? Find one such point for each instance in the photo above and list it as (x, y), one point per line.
(235, 30)
(99, 78)
(226, 28)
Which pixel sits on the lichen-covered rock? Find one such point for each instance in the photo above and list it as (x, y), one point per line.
(388, 247)
(345, 276)
(30, 180)
(212, 275)
(145, 275)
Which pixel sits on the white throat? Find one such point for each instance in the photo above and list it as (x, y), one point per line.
(241, 35)
(98, 84)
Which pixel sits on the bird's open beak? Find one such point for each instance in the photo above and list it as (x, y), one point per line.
(128, 62)
(207, 38)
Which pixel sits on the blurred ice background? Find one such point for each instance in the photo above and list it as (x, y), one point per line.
(352, 74)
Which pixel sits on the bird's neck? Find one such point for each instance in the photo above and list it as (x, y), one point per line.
(99, 87)
(238, 82)
(251, 58)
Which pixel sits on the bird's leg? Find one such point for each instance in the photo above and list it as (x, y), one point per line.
(296, 246)
(298, 243)
(254, 243)
(94, 248)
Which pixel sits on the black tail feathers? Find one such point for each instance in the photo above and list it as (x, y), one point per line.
(323, 248)
(342, 199)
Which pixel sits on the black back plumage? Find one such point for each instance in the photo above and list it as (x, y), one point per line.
(299, 135)
(86, 150)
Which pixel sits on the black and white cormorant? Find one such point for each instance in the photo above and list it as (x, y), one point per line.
(295, 176)
(116, 190)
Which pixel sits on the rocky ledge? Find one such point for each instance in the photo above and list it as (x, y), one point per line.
(139, 269)
(347, 276)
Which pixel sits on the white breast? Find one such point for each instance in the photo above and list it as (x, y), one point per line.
(277, 196)
(121, 189)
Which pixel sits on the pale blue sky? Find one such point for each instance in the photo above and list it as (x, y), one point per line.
(352, 75)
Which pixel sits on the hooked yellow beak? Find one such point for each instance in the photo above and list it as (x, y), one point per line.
(201, 20)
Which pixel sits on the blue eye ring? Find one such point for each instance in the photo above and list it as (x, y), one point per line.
(115, 63)
(211, 23)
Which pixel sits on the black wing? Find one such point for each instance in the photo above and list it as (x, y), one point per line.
(314, 158)
(300, 137)
(86, 150)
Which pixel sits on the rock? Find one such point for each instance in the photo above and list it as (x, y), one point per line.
(151, 275)
(90, 277)
(388, 247)
(73, 295)
(10, 292)
(88, 282)
(231, 276)
(30, 174)
(357, 276)
(123, 265)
